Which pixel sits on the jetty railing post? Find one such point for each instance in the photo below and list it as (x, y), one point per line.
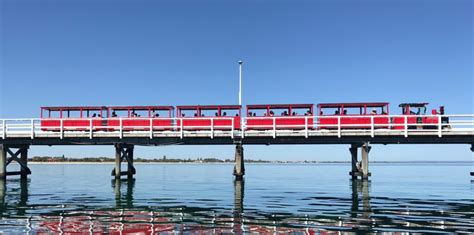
(372, 127)
(4, 129)
(151, 128)
(61, 134)
(274, 127)
(306, 127)
(121, 128)
(354, 159)
(339, 126)
(406, 126)
(90, 128)
(239, 168)
(365, 149)
(232, 129)
(212, 128)
(439, 126)
(181, 128)
(32, 128)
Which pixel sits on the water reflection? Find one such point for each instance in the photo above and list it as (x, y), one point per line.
(126, 200)
(356, 212)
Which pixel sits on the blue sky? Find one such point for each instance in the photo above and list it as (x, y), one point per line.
(185, 52)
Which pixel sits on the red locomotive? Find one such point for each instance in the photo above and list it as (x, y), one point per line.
(415, 114)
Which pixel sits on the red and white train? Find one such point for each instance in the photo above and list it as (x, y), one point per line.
(225, 117)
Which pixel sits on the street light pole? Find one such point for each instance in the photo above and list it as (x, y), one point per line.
(240, 82)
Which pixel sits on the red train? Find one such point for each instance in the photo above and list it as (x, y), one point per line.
(228, 117)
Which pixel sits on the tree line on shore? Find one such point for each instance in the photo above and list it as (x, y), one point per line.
(163, 159)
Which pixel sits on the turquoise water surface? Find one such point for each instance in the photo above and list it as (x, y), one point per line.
(273, 198)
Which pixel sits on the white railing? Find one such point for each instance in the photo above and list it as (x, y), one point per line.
(306, 126)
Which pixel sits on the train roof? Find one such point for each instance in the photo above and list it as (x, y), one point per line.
(207, 107)
(360, 104)
(278, 106)
(413, 104)
(72, 108)
(141, 107)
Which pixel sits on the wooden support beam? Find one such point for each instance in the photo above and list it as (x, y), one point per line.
(239, 167)
(123, 152)
(20, 156)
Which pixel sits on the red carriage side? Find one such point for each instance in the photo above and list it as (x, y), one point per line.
(202, 117)
(353, 115)
(286, 116)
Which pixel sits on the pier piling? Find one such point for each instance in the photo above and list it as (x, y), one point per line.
(365, 160)
(123, 151)
(239, 168)
(360, 169)
(20, 156)
(354, 171)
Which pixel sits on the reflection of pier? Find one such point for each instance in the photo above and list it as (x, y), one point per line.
(128, 184)
(238, 221)
(361, 187)
(17, 187)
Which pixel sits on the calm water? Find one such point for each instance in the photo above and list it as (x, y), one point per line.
(192, 198)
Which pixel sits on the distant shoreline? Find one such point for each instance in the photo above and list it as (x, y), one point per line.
(230, 163)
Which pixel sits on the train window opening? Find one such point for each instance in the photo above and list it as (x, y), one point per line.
(229, 113)
(354, 111)
(209, 113)
(119, 113)
(280, 112)
(54, 114)
(160, 113)
(300, 111)
(189, 113)
(330, 111)
(139, 113)
(72, 114)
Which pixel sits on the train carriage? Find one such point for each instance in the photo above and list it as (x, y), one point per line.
(285, 116)
(353, 115)
(137, 118)
(203, 117)
(73, 118)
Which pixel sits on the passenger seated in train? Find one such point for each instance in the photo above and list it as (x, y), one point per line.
(224, 114)
(94, 115)
(294, 114)
(345, 112)
(216, 114)
(374, 112)
(114, 114)
(272, 113)
(254, 114)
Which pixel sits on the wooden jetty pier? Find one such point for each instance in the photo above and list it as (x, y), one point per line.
(17, 135)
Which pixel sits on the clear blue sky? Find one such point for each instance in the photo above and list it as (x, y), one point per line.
(140, 52)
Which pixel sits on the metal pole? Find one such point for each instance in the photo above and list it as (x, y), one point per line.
(240, 82)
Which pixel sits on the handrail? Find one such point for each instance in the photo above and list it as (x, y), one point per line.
(306, 126)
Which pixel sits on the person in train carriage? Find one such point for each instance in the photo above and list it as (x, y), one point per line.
(224, 114)
(114, 114)
(272, 113)
(374, 112)
(294, 114)
(94, 115)
(216, 114)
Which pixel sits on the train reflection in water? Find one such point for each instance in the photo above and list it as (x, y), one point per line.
(127, 218)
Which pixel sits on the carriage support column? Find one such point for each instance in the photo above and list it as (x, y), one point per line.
(239, 168)
(123, 151)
